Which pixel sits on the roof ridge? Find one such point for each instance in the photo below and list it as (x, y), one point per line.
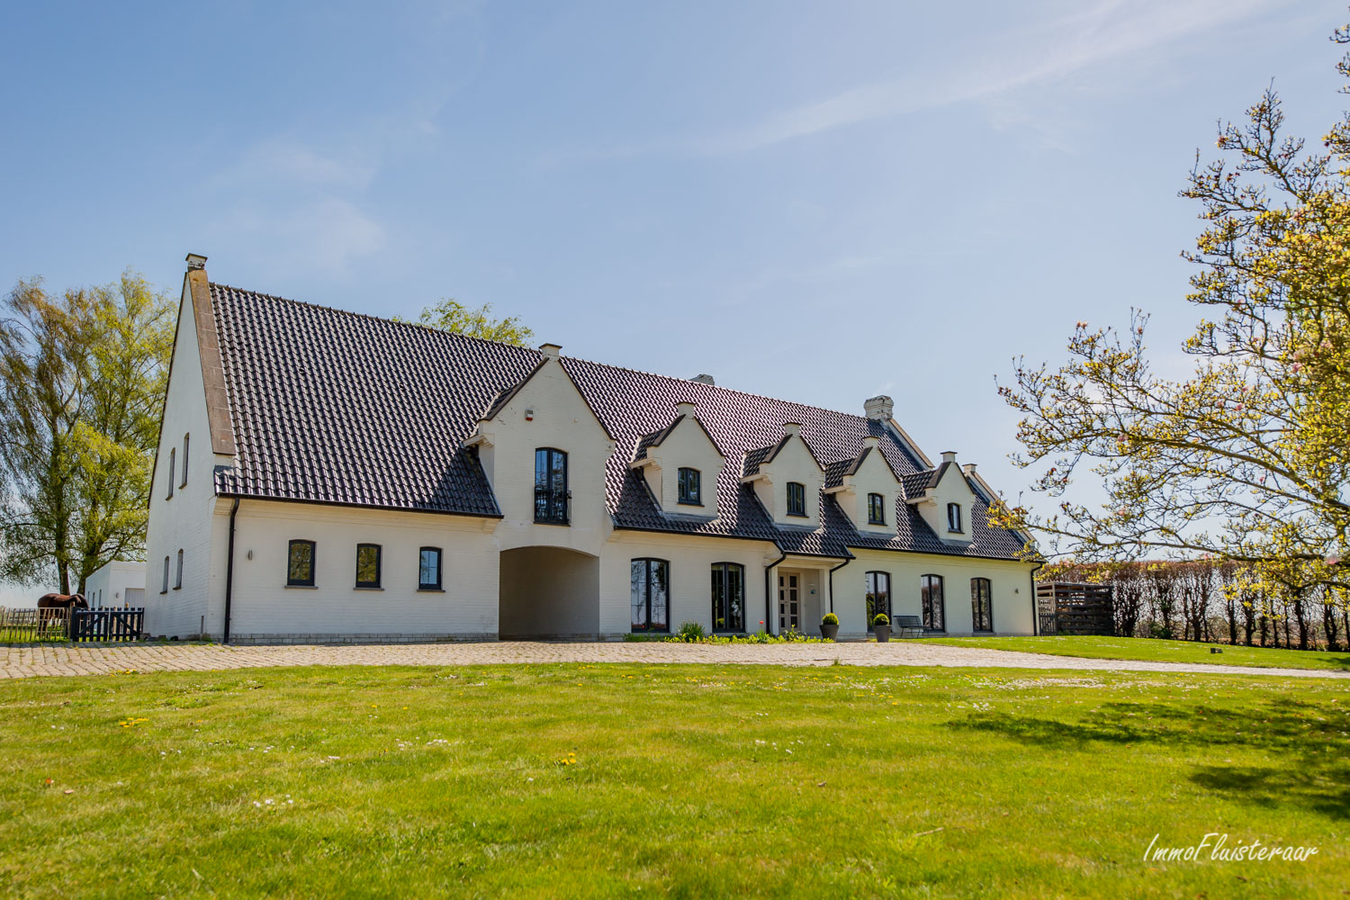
(361, 315)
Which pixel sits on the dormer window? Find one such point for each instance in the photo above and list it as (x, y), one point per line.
(876, 509)
(796, 499)
(954, 517)
(691, 488)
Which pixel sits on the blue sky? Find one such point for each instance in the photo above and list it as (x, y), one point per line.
(814, 201)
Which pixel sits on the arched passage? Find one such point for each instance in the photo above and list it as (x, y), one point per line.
(548, 592)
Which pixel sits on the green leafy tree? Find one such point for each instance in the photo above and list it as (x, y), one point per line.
(1247, 457)
(82, 379)
(451, 315)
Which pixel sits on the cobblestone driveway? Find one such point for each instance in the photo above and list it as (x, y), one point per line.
(24, 661)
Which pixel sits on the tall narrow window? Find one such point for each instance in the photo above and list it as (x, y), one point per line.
(954, 517)
(429, 569)
(691, 491)
(165, 589)
(796, 498)
(728, 597)
(550, 486)
(185, 461)
(172, 451)
(934, 610)
(876, 509)
(878, 595)
(367, 565)
(178, 579)
(300, 564)
(650, 595)
(981, 605)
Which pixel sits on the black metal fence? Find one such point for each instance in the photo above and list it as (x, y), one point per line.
(107, 624)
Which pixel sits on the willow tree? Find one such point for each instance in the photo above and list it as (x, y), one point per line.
(1246, 458)
(82, 378)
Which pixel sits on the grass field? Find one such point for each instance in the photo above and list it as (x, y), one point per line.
(584, 780)
(1159, 651)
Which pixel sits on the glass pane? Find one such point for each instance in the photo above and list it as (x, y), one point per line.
(429, 569)
(541, 468)
(300, 568)
(638, 594)
(735, 598)
(659, 581)
(719, 615)
(368, 565)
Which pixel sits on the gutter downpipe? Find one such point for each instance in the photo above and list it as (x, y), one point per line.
(229, 572)
(768, 603)
(832, 571)
(1035, 603)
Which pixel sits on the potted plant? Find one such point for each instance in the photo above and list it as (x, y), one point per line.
(881, 625)
(829, 626)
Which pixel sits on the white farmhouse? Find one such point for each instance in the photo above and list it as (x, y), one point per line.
(118, 584)
(328, 476)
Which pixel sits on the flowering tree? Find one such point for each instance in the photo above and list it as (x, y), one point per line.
(1247, 458)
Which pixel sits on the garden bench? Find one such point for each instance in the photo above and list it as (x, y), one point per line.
(907, 626)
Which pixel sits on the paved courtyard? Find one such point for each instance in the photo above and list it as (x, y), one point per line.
(18, 661)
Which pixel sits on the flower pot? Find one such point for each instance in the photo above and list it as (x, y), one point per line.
(829, 632)
(883, 633)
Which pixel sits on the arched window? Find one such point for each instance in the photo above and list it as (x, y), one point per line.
(550, 486)
(796, 498)
(429, 569)
(165, 589)
(185, 461)
(178, 579)
(934, 610)
(728, 597)
(981, 605)
(878, 595)
(876, 509)
(954, 517)
(172, 451)
(368, 565)
(691, 487)
(300, 564)
(650, 595)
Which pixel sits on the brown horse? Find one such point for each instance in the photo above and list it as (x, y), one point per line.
(58, 608)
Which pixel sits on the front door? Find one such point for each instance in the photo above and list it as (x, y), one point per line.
(789, 603)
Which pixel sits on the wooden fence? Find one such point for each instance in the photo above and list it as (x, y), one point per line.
(27, 625)
(107, 624)
(1074, 608)
(33, 625)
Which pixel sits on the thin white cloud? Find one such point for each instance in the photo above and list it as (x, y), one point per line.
(278, 161)
(1105, 32)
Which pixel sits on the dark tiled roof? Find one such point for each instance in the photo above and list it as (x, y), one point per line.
(918, 482)
(335, 407)
(655, 438)
(761, 455)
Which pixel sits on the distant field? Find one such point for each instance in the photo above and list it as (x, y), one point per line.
(1162, 651)
(692, 781)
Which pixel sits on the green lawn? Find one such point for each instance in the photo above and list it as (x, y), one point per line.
(1161, 651)
(582, 780)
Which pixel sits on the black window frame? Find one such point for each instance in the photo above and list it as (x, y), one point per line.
(930, 622)
(977, 601)
(721, 584)
(379, 566)
(290, 558)
(650, 565)
(799, 507)
(954, 513)
(870, 582)
(440, 567)
(173, 451)
(185, 460)
(552, 504)
(178, 574)
(876, 509)
(690, 484)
